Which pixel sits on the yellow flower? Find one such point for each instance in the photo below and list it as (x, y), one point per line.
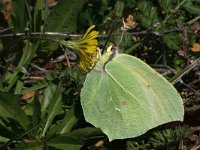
(85, 49)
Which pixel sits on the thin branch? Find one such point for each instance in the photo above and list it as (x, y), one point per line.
(41, 33)
(35, 78)
(39, 68)
(195, 147)
(66, 57)
(181, 81)
(193, 20)
(67, 35)
(179, 76)
(7, 29)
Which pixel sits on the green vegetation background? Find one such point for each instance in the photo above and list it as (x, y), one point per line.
(160, 32)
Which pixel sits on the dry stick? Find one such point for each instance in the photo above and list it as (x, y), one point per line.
(78, 36)
(39, 68)
(178, 77)
(185, 43)
(35, 78)
(45, 33)
(7, 29)
(182, 26)
(195, 147)
(65, 34)
(99, 143)
(193, 20)
(181, 81)
(66, 57)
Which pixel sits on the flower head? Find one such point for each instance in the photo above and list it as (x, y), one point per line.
(86, 48)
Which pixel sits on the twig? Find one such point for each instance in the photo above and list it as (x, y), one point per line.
(192, 109)
(196, 147)
(7, 29)
(181, 81)
(41, 33)
(39, 68)
(185, 43)
(164, 70)
(66, 57)
(35, 78)
(193, 20)
(122, 35)
(58, 59)
(99, 143)
(67, 35)
(178, 77)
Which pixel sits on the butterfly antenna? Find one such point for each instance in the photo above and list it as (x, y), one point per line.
(113, 25)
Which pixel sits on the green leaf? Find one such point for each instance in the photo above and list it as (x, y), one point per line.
(36, 110)
(75, 139)
(66, 125)
(19, 87)
(173, 41)
(38, 14)
(34, 87)
(54, 107)
(3, 139)
(21, 15)
(68, 122)
(194, 9)
(166, 5)
(126, 98)
(7, 132)
(148, 15)
(132, 48)
(65, 142)
(30, 146)
(28, 53)
(12, 109)
(84, 133)
(60, 20)
(48, 93)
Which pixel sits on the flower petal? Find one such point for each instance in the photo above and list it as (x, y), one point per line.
(88, 30)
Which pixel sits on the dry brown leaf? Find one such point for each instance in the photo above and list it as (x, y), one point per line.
(28, 95)
(194, 137)
(129, 23)
(196, 47)
(9, 8)
(197, 128)
(136, 39)
(51, 1)
(180, 53)
(196, 26)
